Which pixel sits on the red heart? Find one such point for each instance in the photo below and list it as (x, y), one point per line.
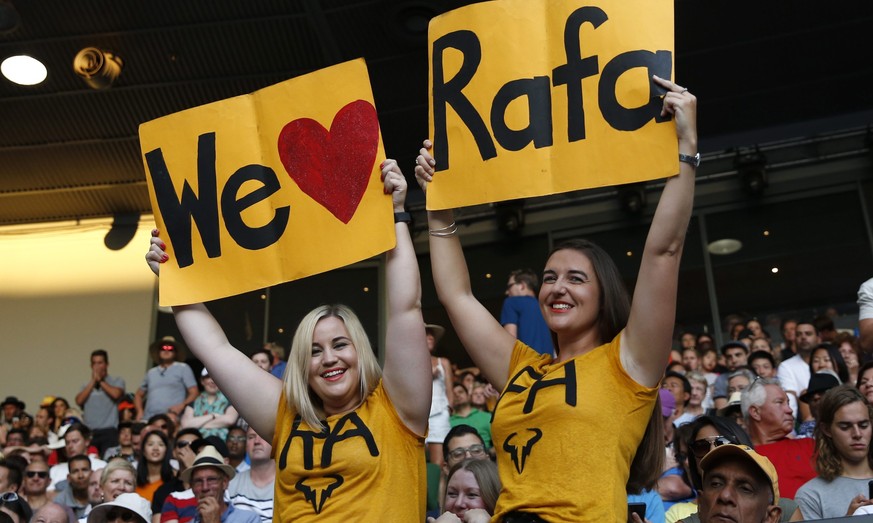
(333, 167)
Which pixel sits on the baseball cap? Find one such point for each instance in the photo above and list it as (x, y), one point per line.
(744, 452)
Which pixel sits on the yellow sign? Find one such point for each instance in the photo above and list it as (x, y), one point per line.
(536, 97)
(269, 187)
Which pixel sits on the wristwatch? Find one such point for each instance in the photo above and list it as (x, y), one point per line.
(691, 160)
(402, 217)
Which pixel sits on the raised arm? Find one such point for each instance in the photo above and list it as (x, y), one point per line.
(406, 374)
(486, 341)
(645, 345)
(254, 393)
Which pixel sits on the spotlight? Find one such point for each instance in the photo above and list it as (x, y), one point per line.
(98, 68)
(122, 231)
(632, 197)
(752, 169)
(510, 216)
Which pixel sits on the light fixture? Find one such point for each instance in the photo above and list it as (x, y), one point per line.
(97, 67)
(122, 231)
(752, 169)
(632, 197)
(23, 70)
(510, 216)
(724, 246)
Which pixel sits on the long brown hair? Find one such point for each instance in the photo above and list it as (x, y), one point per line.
(648, 462)
(828, 464)
(614, 299)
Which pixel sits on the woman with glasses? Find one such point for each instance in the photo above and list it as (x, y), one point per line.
(610, 352)
(342, 429)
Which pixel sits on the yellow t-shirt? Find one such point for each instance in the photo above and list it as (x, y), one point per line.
(566, 434)
(368, 466)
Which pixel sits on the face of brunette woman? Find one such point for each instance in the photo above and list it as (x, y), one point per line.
(570, 295)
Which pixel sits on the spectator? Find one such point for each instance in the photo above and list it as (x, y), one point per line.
(236, 448)
(769, 422)
(688, 340)
(788, 328)
(463, 413)
(844, 461)
(126, 507)
(154, 468)
(824, 324)
(690, 359)
(851, 353)
(441, 395)
(680, 387)
(77, 441)
(761, 344)
(119, 477)
(736, 356)
(480, 396)
(819, 383)
(262, 358)
(793, 373)
(168, 386)
(209, 477)
(739, 485)
(828, 357)
(125, 448)
(521, 315)
(15, 507)
(60, 407)
(277, 353)
(99, 399)
(10, 476)
(252, 489)
(75, 495)
(178, 504)
(211, 412)
(36, 481)
(698, 402)
(12, 409)
(95, 494)
(739, 380)
(53, 513)
(471, 492)
(763, 364)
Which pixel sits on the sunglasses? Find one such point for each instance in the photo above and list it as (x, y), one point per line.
(122, 514)
(37, 474)
(168, 347)
(182, 444)
(8, 497)
(701, 447)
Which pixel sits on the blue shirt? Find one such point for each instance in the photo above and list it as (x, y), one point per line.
(234, 515)
(524, 312)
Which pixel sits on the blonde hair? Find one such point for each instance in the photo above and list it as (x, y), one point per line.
(299, 396)
(117, 463)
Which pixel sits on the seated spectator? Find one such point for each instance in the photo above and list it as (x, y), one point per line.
(262, 358)
(674, 485)
(126, 507)
(252, 489)
(179, 504)
(209, 477)
(16, 438)
(154, 468)
(236, 448)
(762, 364)
(77, 442)
(36, 481)
(680, 387)
(690, 359)
(211, 412)
(15, 507)
(471, 492)
(769, 422)
(699, 400)
(761, 344)
(738, 485)
(865, 381)
(481, 395)
(75, 494)
(125, 448)
(10, 476)
(53, 513)
(739, 380)
(119, 477)
(735, 356)
(463, 413)
(163, 423)
(95, 493)
(819, 383)
(828, 357)
(844, 462)
(59, 408)
(850, 350)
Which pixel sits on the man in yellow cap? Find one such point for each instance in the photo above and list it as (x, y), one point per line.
(739, 485)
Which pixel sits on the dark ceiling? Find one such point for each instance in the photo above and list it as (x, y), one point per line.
(68, 151)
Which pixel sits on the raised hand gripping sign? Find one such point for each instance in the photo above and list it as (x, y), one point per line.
(537, 97)
(269, 187)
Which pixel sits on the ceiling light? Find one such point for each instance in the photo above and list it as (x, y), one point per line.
(774, 270)
(97, 67)
(23, 70)
(724, 246)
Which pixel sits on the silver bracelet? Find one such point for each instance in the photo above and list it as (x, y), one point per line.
(445, 232)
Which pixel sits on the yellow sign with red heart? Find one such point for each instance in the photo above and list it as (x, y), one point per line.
(269, 187)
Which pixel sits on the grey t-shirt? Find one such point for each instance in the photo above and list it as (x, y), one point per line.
(248, 496)
(819, 499)
(101, 411)
(166, 387)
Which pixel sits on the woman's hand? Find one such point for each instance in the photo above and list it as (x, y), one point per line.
(446, 517)
(424, 164)
(156, 255)
(477, 515)
(395, 183)
(683, 106)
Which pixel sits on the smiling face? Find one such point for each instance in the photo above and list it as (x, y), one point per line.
(570, 295)
(36, 478)
(334, 370)
(462, 493)
(154, 449)
(118, 482)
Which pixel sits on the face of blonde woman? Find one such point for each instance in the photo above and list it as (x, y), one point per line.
(118, 482)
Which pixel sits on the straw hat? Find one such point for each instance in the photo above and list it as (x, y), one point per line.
(208, 457)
